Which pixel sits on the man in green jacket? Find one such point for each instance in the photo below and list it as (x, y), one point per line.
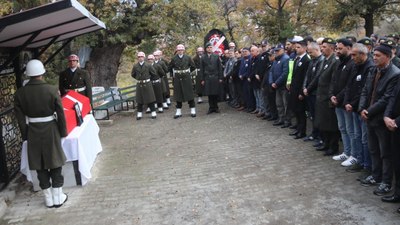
(180, 67)
(41, 120)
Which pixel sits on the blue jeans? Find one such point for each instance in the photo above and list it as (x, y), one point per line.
(260, 104)
(361, 135)
(345, 124)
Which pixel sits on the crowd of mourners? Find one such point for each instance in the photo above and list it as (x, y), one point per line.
(347, 88)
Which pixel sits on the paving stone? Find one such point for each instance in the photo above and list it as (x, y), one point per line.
(228, 168)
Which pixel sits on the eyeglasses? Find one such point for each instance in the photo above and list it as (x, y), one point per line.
(72, 60)
(140, 56)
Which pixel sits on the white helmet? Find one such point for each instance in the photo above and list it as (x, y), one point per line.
(34, 68)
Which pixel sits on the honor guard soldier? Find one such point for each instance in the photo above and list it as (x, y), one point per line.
(75, 79)
(157, 84)
(198, 87)
(40, 114)
(164, 64)
(180, 67)
(144, 73)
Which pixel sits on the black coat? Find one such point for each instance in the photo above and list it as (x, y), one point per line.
(356, 83)
(384, 90)
(258, 67)
(340, 79)
(312, 76)
(393, 108)
(325, 116)
(211, 72)
(296, 86)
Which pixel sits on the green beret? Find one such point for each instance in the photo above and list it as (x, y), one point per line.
(329, 41)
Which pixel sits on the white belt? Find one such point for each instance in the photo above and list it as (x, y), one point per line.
(182, 71)
(156, 81)
(40, 119)
(77, 89)
(143, 81)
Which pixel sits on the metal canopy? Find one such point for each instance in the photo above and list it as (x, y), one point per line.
(47, 24)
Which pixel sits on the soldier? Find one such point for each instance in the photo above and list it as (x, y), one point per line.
(198, 87)
(211, 77)
(393, 46)
(180, 67)
(76, 79)
(159, 59)
(40, 114)
(156, 81)
(144, 73)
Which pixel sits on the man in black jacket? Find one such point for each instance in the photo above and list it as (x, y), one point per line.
(211, 77)
(392, 122)
(310, 85)
(363, 67)
(374, 99)
(336, 94)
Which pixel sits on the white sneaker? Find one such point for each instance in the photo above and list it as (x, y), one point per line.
(340, 157)
(350, 161)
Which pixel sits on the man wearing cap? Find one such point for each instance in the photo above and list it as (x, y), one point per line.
(75, 79)
(211, 77)
(395, 38)
(180, 67)
(157, 83)
(144, 74)
(374, 99)
(369, 43)
(325, 117)
(277, 80)
(164, 64)
(393, 46)
(41, 120)
(297, 100)
(244, 73)
(336, 94)
(198, 87)
(164, 79)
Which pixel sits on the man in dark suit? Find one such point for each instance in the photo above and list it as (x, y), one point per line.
(76, 79)
(392, 122)
(374, 99)
(211, 73)
(296, 96)
(40, 114)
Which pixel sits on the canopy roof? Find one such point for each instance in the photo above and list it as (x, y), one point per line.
(47, 24)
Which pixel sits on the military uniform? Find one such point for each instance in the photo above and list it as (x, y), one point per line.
(144, 90)
(156, 80)
(78, 81)
(180, 68)
(198, 87)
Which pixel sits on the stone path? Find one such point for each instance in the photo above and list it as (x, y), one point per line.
(226, 169)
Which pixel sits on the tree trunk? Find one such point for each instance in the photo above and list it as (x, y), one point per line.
(103, 65)
(369, 24)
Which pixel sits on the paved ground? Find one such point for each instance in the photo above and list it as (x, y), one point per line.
(224, 169)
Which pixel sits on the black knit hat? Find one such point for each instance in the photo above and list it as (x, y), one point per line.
(346, 42)
(384, 49)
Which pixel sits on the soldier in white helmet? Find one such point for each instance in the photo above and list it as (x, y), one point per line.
(40, 114)
(144, 73)
(180, 67)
